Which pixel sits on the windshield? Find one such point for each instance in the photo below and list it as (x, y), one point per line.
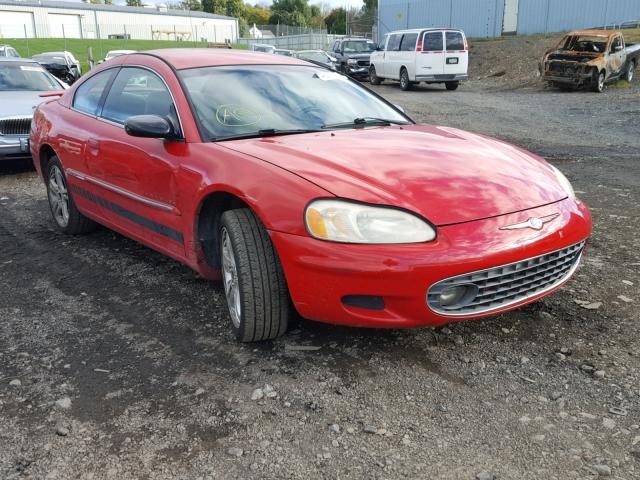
(585, 43)
(29, 77)
(358, 46)
(239, 100)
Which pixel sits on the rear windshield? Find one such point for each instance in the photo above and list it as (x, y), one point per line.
(432, 42)
(26, 77)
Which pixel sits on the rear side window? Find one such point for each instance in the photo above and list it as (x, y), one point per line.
(88, 95)
(432, 42)
(455, 41)
(408, 42)
(394, 43)
(138, 91)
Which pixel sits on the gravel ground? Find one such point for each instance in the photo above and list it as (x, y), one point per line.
(116, 362)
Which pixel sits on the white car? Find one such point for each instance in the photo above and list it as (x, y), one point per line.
(318, 56)
(430, 55)
(116, 53)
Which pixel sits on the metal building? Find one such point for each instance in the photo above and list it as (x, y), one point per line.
(59, 19)
(493, 18)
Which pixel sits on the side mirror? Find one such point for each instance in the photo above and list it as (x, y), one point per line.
(617, 48)
(150, 126)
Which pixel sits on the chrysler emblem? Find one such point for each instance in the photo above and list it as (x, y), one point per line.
(535, 223)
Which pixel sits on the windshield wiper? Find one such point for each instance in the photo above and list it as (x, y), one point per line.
(361, 122)
(267, 132)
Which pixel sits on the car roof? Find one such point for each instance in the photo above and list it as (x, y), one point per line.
(430, 29)
(17, 60)
(595, 33)
(181, 58)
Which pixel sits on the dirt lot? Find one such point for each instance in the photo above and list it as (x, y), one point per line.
(116, 362)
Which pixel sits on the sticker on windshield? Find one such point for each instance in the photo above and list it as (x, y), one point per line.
(327, 76)
(29, 68)
(236, 116)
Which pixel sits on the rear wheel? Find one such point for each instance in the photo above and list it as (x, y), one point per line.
(253, 279)
(452, 85)
(597, 82)
(373, 78)
(405, 83)
(630, 70)
(63, 209)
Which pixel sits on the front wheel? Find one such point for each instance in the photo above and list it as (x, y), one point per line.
(452, 85)
(373, 77)
(63, 209)
(253, 279)
(597, 82)
(405, 83)
(630, 70)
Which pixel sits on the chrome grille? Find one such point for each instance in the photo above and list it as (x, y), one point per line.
(363, 63)
(15, 126)
(508, 284)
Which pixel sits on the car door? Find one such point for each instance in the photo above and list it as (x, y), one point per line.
(431, 60)
(136, 176)
(74, 139)
(407, 54)
(456, 57)
(392, 60)
(616, 56)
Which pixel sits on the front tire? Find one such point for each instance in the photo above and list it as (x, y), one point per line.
(66, 215)
(597, 82)
(405, 83)
(452, 85)
(373, 77)
(253, 279)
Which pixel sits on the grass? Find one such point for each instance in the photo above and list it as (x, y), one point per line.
(79, 47)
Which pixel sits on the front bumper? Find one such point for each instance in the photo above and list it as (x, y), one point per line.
(14, 146)
(321, 274)
(459, 77)
(357, 71)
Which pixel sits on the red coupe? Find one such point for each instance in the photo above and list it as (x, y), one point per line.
(299, 188)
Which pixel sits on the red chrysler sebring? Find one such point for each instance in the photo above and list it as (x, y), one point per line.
(299, 188)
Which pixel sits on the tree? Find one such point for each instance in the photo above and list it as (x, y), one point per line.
(193, 5)
(134, 3)
(290, 12)
(257, 15)
(336, 21)
(208, 6)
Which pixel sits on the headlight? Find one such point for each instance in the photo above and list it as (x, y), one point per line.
(351, 61)
(566, 184)
(342, 221)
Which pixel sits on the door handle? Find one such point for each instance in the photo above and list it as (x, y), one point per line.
(93, 146)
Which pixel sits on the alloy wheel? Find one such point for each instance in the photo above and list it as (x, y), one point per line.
(58, 197)
(230, 279)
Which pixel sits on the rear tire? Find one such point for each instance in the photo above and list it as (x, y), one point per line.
(373, 78)
(65, 214)
(253, 279)
(452, 85)
(405, 83)
(630, 71)
(597, 81)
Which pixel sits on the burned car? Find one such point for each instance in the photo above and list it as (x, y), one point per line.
(590, 58)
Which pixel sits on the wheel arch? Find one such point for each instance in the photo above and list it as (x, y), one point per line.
(45, 153)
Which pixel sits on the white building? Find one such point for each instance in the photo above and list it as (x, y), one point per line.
(54, 19)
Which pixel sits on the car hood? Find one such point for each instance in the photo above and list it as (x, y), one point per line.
(19, 104)
(446, 175)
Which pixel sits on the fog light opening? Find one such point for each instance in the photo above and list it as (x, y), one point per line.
(456, 296)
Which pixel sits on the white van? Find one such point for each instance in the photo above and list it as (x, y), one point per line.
(430, 55)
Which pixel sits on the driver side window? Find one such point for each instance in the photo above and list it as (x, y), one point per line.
(138, 91)
(615, 44)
